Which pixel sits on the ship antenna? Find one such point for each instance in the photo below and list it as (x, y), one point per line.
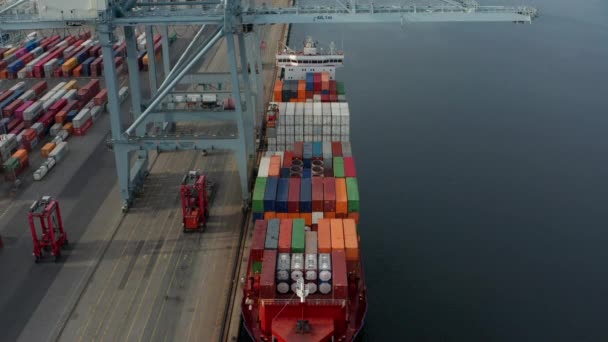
(302, 290)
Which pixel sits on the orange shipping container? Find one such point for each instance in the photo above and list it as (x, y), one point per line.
(21, 155)
(351, 240)
(69, 127)
(293, 215)
(3, 74)
(307, 218)
(354, 216)
(46, 149)
(337, 235)
(285, 236)
(270, 215)
(324, 236)
(341, 196)
(329, 214)
(278, 91)
(302, 90)
(274, 169)
(77, 71)
(282, 216)
(60, 117)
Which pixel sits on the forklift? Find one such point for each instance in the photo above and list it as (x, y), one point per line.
(195, 201)
(52, 237)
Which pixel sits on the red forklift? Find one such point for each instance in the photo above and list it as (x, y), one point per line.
(52, 236)
(195, 202)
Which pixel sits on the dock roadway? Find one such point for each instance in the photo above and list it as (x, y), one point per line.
(125, 277)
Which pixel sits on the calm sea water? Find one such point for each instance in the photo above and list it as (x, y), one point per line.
(482, 152)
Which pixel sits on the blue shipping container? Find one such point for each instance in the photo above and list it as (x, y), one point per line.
(71, 115)
(270, 194)
(282, 195)
(305, 195)
(317, 149)
(307, 173)
(285, 172)
(258, 216)
(272, 234)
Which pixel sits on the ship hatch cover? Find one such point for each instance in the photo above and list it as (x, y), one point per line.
(294, 330)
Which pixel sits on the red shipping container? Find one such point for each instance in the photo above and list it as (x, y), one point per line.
(47, 120)
(257, 242)
(317, 194)
(10, 109)
(329, 194)
(285, 236)
(18, 128)
(5, 95)
(349, 167)
(336, 149)
(325, 98)
(29, 134)
(298, 148)
(14, 123)
(58, 105)
(287, 157)
(82, 130)
(72, 104)
(101, 98)
(293, 201)
(269, 264)
(61, 116)
(339, 277)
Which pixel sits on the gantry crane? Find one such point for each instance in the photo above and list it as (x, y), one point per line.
(219, 19)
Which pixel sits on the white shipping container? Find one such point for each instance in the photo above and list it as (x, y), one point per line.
(179, 98)
(324, 266)
(50, 162)
(326, 121)
(40, 173)
(28, 95)
(312, 287)
(264, 166)
(344, 138)
(70, 94)
(281, 129)
(346, 149)
(311, 267)
(21, 74)
(299, 109)
(281, 140)
(283, 266)
(59, 151)
(38, 127)
(326, 138)
(59, 94)
(345, 130)
(335, 129)
(297, 266)
(299, 130)
(308, 138)
(123, 93)
(47, 96)
(291, 109)
(316, 216)
(209, 98)
(95, 112)
(316, 137)
(55, 129)
(81, 118)
(48, 103)
(33, 111)
(18, 86)
(59, 85)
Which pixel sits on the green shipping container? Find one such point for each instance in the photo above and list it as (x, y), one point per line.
(298, 236)
(338, 167)
(352, 192)
(11, 164)
(256, 267)
(340, 88)
(258, 194)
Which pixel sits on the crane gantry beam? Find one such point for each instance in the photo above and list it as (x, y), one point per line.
(228, 20)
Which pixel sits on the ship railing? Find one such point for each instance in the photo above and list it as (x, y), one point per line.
(309, 302)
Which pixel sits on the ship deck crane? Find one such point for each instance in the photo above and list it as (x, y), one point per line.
(230, 18)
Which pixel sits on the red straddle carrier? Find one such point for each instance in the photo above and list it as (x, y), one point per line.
(52, 236)
(195, 203)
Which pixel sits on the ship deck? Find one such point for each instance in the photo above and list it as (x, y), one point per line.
(131, 276)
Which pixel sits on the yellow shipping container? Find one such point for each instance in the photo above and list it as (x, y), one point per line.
(69, 64)
(9, 52)
(71, 85)
(145, 59)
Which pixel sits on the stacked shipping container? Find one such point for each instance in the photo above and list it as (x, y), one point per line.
(283, 251)
(314, 181)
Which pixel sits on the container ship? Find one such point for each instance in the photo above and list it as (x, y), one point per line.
(305, 279)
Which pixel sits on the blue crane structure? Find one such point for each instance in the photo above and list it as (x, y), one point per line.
(231, 20)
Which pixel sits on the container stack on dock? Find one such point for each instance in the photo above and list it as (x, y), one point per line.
(56, 56)
(36, 118)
